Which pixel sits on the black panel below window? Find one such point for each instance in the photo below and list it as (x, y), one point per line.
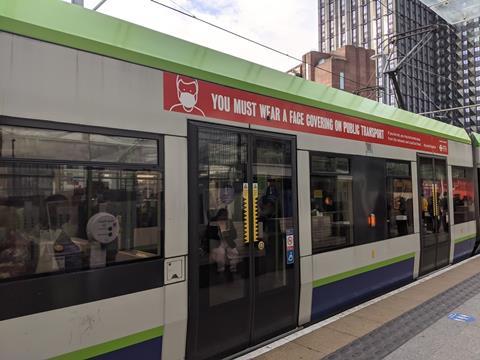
(31, 296)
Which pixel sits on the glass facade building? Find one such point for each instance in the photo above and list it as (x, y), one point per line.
(444, 73)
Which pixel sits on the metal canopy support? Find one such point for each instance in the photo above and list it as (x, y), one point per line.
(392, 73)
(398, 93)
(99, 4)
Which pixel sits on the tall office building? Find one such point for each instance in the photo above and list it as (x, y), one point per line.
(440, 75)
(469, 71)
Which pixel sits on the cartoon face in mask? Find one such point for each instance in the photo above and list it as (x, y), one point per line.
(187, 93)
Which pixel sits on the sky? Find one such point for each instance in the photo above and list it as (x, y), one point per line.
(286, 25)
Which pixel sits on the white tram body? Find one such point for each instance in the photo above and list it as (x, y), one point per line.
(72, 71)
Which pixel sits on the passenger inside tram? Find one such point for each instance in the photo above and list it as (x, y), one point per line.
(222, 234)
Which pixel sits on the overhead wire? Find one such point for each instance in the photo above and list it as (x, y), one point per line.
(185, 12)
(191, 15)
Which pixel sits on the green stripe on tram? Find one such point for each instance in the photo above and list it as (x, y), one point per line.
(112, 345)
(361, 270)
(464, 238)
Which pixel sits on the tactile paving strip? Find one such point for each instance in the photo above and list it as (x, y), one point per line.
(388, 337)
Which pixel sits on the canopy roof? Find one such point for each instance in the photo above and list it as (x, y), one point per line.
(455, 11)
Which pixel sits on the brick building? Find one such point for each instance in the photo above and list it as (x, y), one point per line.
(348, 68)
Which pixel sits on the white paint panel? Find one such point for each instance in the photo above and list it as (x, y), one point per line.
(6, 43)
(304, 219)
(416, 208)
(175, 331)
(335, 262)
(56, 332)
(459, 154)
(42, 81)
(176, 196)
(416, 218)
(52, 82)
(463, 229)
(306, 287)
(416, 263)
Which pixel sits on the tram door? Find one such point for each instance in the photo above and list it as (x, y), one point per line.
(434, 216)
(243, 265)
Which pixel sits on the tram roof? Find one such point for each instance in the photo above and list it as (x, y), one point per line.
(476, 137)
(73, 26)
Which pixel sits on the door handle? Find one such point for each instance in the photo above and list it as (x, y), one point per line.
(246, 214)
(255, 212)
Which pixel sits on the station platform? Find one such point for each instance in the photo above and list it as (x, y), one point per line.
(436, 317)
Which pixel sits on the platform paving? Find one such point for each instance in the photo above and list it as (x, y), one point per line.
(402, 326)
(446, 339)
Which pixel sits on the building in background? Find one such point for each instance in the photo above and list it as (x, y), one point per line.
(348, 68)
(469, 71)
(442, 74)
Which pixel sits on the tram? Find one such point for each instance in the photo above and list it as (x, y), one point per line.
(159, 199)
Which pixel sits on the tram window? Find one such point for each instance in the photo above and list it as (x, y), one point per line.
(331, 203)
(70, 216)
(30, 143)
(330, 164)
(399, 199)
(463, 204)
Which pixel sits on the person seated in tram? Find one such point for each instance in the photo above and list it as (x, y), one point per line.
(17, 251)
(222, 235)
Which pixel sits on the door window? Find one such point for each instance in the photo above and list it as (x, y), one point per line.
(272, 171)
(434, 213)
(222, 250)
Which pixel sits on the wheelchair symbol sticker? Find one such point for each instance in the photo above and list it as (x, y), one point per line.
(290, 257)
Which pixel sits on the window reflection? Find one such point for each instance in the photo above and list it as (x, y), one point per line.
(29, 143)
(223, 253)
(57, 218)
(433, 196)
(463, 204)
(272, 171)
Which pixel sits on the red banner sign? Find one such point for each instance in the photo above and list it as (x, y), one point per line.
(201, 98)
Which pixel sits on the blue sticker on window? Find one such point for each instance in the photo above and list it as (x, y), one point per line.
(290, 257)
(461, 317)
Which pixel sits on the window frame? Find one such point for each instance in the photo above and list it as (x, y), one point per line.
(35, 293)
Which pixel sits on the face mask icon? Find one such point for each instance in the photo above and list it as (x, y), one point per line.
(187, 93)
(187, 100)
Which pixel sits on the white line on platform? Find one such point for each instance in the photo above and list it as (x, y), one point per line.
(323, 323)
